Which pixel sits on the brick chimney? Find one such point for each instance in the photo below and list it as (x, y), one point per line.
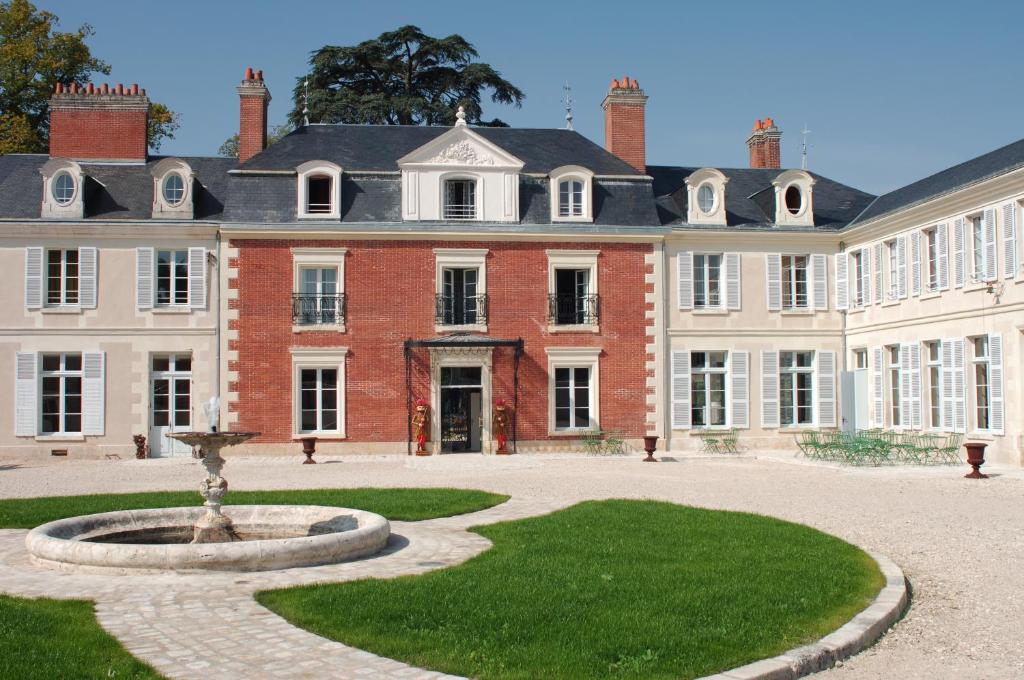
(253, 100)
(105, 123)
(763, 144)
(624, 132)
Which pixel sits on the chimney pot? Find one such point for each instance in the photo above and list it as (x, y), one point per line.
(248, 73)
(624, 125)
(120, 89)
(59, 88)
(85, 126)
(259, 76)
(135, 88)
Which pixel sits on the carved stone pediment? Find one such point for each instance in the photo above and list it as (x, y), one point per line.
(462, 152)
(463, 147)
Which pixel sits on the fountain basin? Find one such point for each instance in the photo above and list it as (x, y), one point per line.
(272, 537)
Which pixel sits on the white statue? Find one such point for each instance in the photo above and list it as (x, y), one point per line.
(212, 409)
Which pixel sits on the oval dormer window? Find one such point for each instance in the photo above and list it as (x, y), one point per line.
(63, 188)
(174, 189)
(794, 199)
(706, 199)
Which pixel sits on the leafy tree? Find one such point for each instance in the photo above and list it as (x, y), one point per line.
(403, 77)
(230, 146)
(33, 59)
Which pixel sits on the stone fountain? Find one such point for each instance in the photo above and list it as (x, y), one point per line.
(254, 538)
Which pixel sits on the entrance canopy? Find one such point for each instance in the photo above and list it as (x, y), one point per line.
(454, 343)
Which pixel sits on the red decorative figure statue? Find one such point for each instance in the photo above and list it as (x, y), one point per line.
(502, 420)
(420, 426)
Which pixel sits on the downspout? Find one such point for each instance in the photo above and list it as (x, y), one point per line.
(842, 318)
(216, 360)
(662, 364)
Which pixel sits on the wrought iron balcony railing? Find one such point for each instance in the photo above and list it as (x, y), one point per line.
(318, 309)
(572, 310)
(460, 311)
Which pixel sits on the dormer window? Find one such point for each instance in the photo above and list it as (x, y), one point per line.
(174, 189)
(460, 199)
(63, 188)
(173, 181)
(794, 200)
(571, 189)
(319, 190)
(705, 197)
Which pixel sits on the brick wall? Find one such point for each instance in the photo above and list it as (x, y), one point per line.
(624, 126)
(253, 100)
(390, 297)
(98, 127)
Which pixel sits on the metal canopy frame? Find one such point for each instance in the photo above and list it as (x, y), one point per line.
(461, 342)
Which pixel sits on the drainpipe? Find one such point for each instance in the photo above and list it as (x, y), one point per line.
(216, 360)
(664, 365)
(842, 318)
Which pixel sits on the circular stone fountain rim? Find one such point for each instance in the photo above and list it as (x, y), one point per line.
(67, 550)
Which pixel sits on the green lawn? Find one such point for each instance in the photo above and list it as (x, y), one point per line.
(48, 639)
(397, 504)
(608, 589)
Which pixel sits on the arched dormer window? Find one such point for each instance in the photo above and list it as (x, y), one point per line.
(794, 199)
(705, 197)
(319, 191)
(173, 181)
(572, 189)
(459, 195)
(63, 189)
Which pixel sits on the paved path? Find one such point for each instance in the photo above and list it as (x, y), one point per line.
(959, 542)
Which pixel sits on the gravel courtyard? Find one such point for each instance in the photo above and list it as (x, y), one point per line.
(959, 541)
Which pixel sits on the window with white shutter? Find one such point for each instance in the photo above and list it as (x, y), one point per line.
(769, 389)
(842, 281)
(942, 238)
(995, 367)
(879, 291)
(773, 280)
(197, 271)
(685, 287)
(33, 278)
(826, 374)
(901, 267)
(959, 254)
(93, 392)
(915, 263)
(819, 269)
(87, 265)
(26, 394)
(680, 390)
(739, 383)
(948, 386)
(1010, 255)
(144, 275)
(878, 386)
(905, 401)
(990, 244)
(733, 286)
(915, 385)
(959, 387)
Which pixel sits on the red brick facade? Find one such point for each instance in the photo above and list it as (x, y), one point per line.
(390, 297)
(99, 124)
(624, 125)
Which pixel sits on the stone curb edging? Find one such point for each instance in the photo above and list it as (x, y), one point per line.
(855, 635)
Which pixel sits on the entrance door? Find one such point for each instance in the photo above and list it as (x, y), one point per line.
(171, 400)
(461, 418)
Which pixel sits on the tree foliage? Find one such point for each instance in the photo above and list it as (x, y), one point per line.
(230, 146)
(402, 77)
(34, 57)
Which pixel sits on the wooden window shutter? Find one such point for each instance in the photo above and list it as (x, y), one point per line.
(842, 281)
(93, 392)
(989, 225)
(819, 273)
(739, 385)
(826, 375)
(958, 253)
(197, 271)
(959, 387)
(773, 280)
(33, 278)
(733, 282)
(769, 389)
(948, 385)
(26, 394)
(915, 385)
(87, 278)
(680, 390)
(1010, 254)
(878, 275)
(685, 287)
(878, 386)
(915, 263)
(905, 407)
(942, 245)
(901, 267)
(995, 380)
(145, 290)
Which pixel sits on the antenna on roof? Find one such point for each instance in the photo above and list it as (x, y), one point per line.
(567, 100)
(803, 145)
(305, 103)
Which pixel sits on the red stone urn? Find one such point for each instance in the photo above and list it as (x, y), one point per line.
(650, 444)
(309, 448)
(975, 458)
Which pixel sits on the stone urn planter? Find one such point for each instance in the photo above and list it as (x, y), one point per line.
(650, 445)
(309, 448)
(975, 458)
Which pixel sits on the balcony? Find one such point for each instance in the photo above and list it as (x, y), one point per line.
(573, 310)
(460, 311)
(311, 310)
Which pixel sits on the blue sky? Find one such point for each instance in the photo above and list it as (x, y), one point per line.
(892, 91)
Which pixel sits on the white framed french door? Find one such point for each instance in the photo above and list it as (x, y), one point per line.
(170, 403)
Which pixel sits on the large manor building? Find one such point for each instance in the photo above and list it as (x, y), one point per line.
(327, 284)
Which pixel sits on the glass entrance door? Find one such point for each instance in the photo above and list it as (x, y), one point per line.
(171, 403)
(461, 409)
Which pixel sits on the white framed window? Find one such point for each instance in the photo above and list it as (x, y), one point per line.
(171, 377)
(980, 361)
(571, 188)
(707, 281)
(64, 187)
(933, 367)
(857, 278)
(892, 353)
(318, 293)
(62, 277)
(460, 300)
(796, 388)
(708, 397)
(61, 394)
(794, 282)
(573, 301)
(573, 389)
(172, 189)
(319, 190)
(860, 359)
(707, 201)
(931, 254)
(318, 391)
(460, 199)
(705, 196)
(794, 198)
(172, 280)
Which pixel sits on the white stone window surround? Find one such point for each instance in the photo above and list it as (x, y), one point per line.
(573, 259)
(304, 173)
(303, 258)
(478, 194)
(461, 258)
(161, 172)
(715, 179)
(574, 357)
(317, 357)
(51, 208)
(804, 183)
(477, 357)
(567, 173)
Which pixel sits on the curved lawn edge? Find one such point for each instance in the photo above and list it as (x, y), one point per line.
(856, 635)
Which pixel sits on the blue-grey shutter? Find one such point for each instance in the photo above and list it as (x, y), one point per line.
(878, 385)
(959, 386)
(739, 385)
(87, 265)
(942, 244)
(93, 392)
(842, 281)
(685, 273)
(865, 253)
(33, 277)
(995, 379)
(733, 281)
(1010, 255)
(197, 270)
(948, 385)
(819, 273)
(773, 280)
(680, 390)
(958, 253)
(915, 263)
(144, 275)
(26, 394)
(901, 267)
(826, 375)
(915, 385)
(769, 389)
(989, 225)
